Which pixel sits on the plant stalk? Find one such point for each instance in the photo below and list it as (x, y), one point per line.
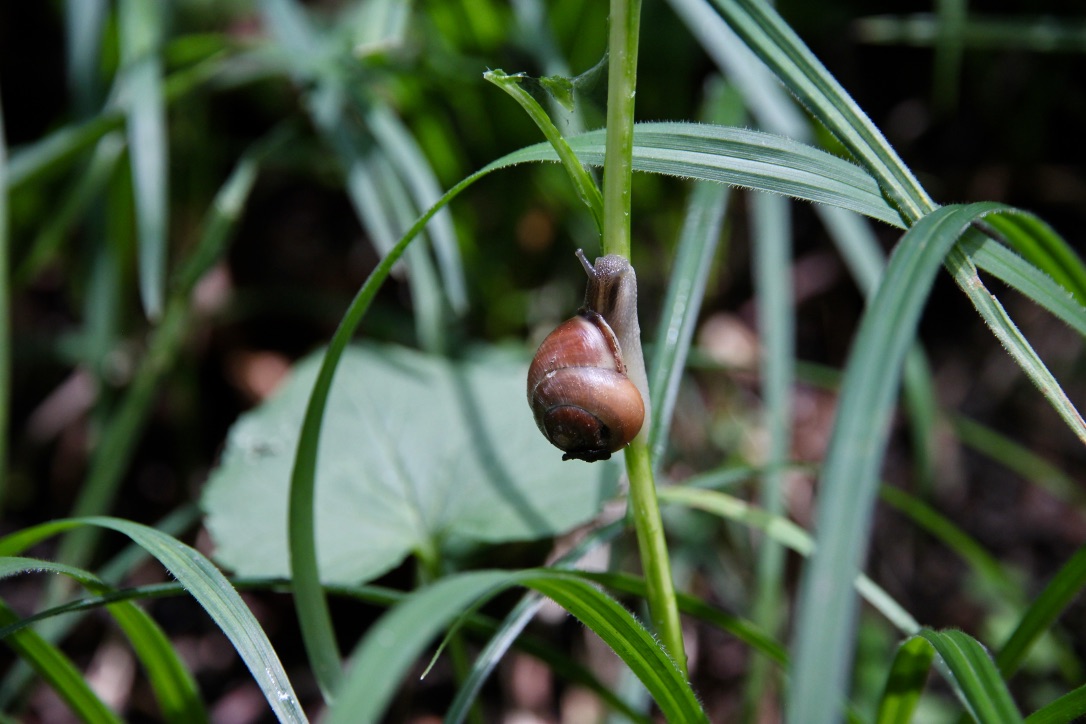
(617, 187)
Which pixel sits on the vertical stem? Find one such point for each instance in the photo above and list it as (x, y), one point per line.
(617, 183)
(618, 162)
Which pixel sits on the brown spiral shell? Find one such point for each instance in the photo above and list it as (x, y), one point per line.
(578, 388)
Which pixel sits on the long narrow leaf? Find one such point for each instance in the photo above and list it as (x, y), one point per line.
(582, 180)
(738, 157)
(407, 158)
(698, 242)
(788, 534)
(59, 671)
(172, 682)
(974, 677)
(1064, 587)
(1069, 707)
(140, 35)
(118, 442)
(1012, 339)
(849, 480)
(208, 586)
(764, 32)
(398, 638)
(1016, 272)
(1039, 243)
(905, 682)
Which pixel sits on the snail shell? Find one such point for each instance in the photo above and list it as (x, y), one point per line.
(579, 386)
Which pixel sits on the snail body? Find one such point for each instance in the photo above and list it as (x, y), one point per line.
(579, 383)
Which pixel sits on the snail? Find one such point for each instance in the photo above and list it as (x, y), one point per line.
(587, 385)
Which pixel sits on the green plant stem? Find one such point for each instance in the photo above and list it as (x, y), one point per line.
(645, 509)
(618, 160)
(617, 187)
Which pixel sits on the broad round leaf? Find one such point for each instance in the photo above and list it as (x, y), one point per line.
(415, 451)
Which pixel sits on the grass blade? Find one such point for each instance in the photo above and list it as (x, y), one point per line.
(703, 220)
(1069, 707)
(582, 181)
(788, 534)
(770, 105)
(973, 675)
(738, 157)
(399, 637)
(407, 159)
(58, 671)
(1008, 334)
(905, 682)
(207, 585)
(766, 33)
(772, 260)
(87, 187)
(1025, 277)
(1039, 243)
(1017, 458)
(692, 264)
(121, 434)
(173, 684)
(1043, 612)
(140, 25)
(849, 480)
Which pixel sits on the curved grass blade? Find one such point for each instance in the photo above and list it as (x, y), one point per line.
(208, 586)
(744, 630)
(1025, 277)
(1008, 334)
(1039, 243)
(54, 629)
(173, 684)
(750, 159)
(782, 50)
(789, 535)
(849, 480)
(692, 264)
(407, 158)
(140, 30)
(582, 181)
(764, 32)
(772, 261)
(905, 682)
(514, 623)
(398, 638)
(1043, 612)
(1069, 707)
(32, 161)
(58, 670)
(973, 676)
(769, 104)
